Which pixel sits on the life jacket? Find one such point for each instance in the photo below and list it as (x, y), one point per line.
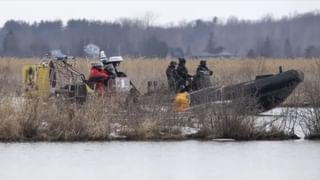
(99, 78)
(182, 101)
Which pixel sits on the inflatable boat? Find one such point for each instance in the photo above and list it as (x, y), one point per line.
(264, 93)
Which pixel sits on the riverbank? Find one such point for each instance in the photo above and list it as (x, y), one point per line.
(99, 119)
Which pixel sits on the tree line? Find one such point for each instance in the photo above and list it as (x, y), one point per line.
(288, 37)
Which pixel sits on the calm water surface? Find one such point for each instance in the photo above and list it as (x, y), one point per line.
(263, 160)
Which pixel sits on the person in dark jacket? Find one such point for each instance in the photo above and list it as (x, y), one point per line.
(172, 76)
(184, 79)
(202, 78)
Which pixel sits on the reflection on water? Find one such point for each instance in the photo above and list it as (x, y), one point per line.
(263, 160)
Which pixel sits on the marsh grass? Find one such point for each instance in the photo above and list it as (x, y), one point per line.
(310, 116)
(39, 119)
(238, 120)
(226, 71)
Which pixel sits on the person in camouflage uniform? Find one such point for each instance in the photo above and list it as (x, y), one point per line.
(172, 76)
(202, 78)
(184, 78)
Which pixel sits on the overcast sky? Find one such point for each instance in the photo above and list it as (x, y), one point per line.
(164, 11)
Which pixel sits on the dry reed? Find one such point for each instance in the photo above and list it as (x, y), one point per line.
(99, 118)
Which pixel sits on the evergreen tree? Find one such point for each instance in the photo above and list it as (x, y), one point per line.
(211, 46)
(10, 44)
(267, 48)
(153, 47)
(311, 52)
(188, 51)
(288, 49)
(251, 53)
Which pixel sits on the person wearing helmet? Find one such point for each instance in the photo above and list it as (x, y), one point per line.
(171, 73)
(184, 79)
(98, 77)
(109, 68)
(202, 68)
(107, 65)
(110, 65)
(202, 78)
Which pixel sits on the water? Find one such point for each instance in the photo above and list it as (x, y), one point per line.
(186, 160)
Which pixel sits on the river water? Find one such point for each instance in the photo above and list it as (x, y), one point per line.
(185, 160)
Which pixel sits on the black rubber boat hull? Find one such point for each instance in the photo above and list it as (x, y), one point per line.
(264, 93)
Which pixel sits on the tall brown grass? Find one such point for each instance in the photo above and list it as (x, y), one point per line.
(226, 71)
(53, 120)
(310, 116)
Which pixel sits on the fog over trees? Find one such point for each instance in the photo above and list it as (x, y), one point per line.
(289, 37)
